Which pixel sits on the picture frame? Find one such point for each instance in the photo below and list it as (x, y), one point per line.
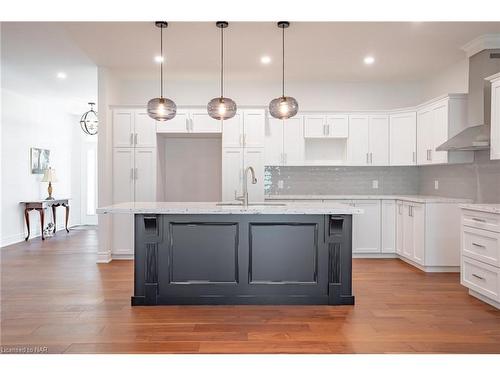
(39, 160)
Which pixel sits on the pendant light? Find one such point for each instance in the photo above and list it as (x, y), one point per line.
(161, 109)
(221, 108)
(89, 121)
(285, 106)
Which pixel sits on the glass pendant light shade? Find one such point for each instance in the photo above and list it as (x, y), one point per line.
(283, 107)
(162, 109)
(221, 108)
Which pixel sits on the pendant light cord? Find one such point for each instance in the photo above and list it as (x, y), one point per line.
(283, 62)
(222, 62)
(161, 62)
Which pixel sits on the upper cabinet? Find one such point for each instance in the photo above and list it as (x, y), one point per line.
(133, 128)
(368, 142)
(190, 120)
(495, 118)
(326, 126)
(437, 121)
(403, 138)
(245, 129)
(284, 141)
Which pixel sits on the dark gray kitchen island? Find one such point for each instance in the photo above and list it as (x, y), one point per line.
(208, 253)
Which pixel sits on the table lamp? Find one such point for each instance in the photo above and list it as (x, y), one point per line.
(49, 176)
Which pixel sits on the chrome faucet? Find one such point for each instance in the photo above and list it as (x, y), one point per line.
(244, 197)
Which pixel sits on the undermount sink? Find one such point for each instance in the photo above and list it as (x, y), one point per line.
(253, 204)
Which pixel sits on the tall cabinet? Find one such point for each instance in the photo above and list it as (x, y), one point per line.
(495, 117)
(134, 169)
(242, 147)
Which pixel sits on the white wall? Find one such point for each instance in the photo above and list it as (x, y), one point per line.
(453, 79)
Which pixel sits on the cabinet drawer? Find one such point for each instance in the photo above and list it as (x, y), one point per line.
(481, 245)
(481, 277)
(481, 220)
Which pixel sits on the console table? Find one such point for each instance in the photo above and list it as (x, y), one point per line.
(40, 206)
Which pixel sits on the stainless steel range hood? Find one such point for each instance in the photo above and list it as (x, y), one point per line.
(477, 135)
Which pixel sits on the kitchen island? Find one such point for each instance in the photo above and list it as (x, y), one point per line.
(226, 253)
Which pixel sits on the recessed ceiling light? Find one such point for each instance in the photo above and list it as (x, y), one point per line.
(265, 60)
(369, 60)
(159, 59)
(62, 75)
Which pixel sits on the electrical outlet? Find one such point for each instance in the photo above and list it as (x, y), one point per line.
(280, 184)
(375, 184)
(436, 184)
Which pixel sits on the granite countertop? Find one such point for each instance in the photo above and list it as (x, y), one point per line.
(411, 198)
(289, 208)
(482, 207)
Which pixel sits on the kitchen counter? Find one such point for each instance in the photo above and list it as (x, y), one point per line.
(411, 198)
(179, 208)
(493, 208)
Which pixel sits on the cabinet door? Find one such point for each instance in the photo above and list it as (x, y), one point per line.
(388, 224)
(358, 141)
(408, 244)
(337, 126)
(232, 131)
(314, 126)
(403, 139)
(439, 133)
(253, 125)
(201, 122)
(232, 170)
(495, 121)
(399, 227)
(123, 128)
(379, 140)
(179, 124)
(145, 175)
(293, 141)
(123, 174)
(366, 227)
(273, 146)
(254, 157)
(424, 136)
(145, 130)
(418, 216)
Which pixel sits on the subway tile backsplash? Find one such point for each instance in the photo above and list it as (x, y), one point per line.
(341, 180)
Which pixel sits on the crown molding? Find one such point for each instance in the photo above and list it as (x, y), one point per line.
(486, 41)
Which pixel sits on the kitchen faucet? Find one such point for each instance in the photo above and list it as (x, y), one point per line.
(244, 197)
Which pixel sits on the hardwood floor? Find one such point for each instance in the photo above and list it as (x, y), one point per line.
(55, 298)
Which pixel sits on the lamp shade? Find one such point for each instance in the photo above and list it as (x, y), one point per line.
(49, 175)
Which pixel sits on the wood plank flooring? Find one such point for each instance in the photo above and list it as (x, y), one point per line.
(55, 298)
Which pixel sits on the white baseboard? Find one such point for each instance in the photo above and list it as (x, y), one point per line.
(19, 237)
(104, 257)
(485, 299)
(374, 255)
(122, 254)
(451, 269)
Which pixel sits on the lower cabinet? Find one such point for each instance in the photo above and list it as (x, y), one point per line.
(411, 231)
(366, 228)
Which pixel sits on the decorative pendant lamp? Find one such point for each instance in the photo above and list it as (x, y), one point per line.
(285, 106)
(89, 121)
(221, 108)
(161, 109)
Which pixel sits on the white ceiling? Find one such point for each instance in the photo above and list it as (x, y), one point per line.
(315, 51)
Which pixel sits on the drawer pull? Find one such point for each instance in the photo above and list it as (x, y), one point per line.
(478, 219)
(477, 276)
(478, 245)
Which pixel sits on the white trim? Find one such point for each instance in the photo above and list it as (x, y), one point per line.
(19, 237)
(451, 269)
(493, 77)
(104, 257)
(375, 256)
(486, 41)
(485, 299)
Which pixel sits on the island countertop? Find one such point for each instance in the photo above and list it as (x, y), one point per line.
(176, 208)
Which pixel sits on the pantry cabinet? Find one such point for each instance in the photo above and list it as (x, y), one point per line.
(403, 138)
(368, 142)
(133, 128)
(284, 142)
(245, 129)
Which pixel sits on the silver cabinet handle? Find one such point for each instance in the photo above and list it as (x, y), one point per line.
(241, 140)
(478, 277)
(192, 124)
(135, 173)
(327, 129)
(131, 173)
(244, 139)
(414, 156)
(410, 211)
(131, 139)
(430, 155)
(135, 139)
(367, 158)
(371, 157)
(187, 124)
(324, 129)
(478, 245)
(478, 219)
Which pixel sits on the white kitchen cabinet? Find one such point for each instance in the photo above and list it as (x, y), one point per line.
(388, 226)
(366, 227)
(437, 121)
(326, 126)
(403, 138)
(412, 232)
(399, 227)
(495, 119)
(190, 120)
(234, 162)
(201, 122)
(368, 142)
(123, 174)
(133, 128)
(179, 124)
(245, 129)
(284, 142)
